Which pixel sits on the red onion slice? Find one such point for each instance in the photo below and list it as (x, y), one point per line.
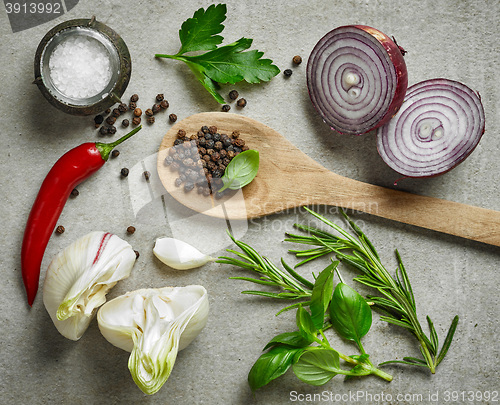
(439, 124)
(357, 78)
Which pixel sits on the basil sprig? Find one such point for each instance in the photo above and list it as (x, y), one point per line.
(241, 170)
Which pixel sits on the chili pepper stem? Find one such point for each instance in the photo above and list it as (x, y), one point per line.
(106, 148)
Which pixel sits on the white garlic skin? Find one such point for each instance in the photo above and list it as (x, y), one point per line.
(80, 276)
(179, 255)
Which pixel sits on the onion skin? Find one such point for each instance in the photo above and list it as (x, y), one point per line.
(394, 55)
(443, 105)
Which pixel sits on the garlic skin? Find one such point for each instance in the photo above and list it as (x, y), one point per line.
(80, 276)
(154, 324)
(179, 255)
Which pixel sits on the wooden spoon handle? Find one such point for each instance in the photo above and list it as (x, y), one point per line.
(475, 223)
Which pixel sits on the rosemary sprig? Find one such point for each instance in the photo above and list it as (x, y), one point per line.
(396, 299)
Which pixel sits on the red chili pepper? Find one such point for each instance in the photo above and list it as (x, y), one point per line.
(71, 169)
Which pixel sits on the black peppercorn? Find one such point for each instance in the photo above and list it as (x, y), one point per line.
(297, 60)
(75, 193)
(241, 103)
(130, 230)
(107, 111)
(122, 107)
(137, 112)
(98, 119)
(151, 120)
(147, 175)
(112, 130)
(103, 130)
(172, 117)
(212, 129)
(125, 123)
(134, 98)
(188, 187)
(206, 191)
(287, 72)
(136, 254)
(233, 94)
(178, 182)
(204, 129)
(148, 112)
(132, 106)
(156, 108)
(239, 142)
(226, 107)
(124, 172)
(110, 120)
(181, 133)
(216, 137)
(60, 229)
(218, 145)
(227, 142)
(116, 112)
(216, 174)
(209, 144)
(235, 134)
(168, 160)
(136, 120)
(164, 104)
(159, 97)
(175, 166)
(115, 153)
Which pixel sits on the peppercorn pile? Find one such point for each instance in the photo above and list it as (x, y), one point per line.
(201, 159)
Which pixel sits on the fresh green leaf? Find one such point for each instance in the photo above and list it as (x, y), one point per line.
(199, 33)
(271, 365)
(350, 315)
(447, 341)
(305, 324)
(241, 170)
(317, 366)
(295, 339)
(434, 337)
(322, 295)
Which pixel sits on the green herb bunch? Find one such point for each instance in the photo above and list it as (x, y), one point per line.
(395, 299)
(223, 64)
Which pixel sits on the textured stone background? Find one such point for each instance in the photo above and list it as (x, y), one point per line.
(445, 38)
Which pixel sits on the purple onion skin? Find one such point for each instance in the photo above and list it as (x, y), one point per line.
(395, 54)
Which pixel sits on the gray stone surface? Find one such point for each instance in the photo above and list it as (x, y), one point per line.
(456, 39)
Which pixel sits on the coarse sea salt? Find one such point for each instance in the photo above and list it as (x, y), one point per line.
(80, 67)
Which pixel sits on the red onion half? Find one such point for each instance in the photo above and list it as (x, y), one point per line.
(357, 78)
(439, 124)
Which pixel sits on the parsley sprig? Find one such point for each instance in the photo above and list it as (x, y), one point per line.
(223, 64)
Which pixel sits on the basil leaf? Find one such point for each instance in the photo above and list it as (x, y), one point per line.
(241, 170)
(271, 365)
(295, 339)
(350, 315)
(317, 366)
(322, 295)
(305, 324)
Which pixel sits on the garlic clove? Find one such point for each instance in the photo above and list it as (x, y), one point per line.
(154, 324)
(179, 255)
(79, 277)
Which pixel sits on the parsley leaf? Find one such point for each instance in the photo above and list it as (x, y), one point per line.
(224, 64)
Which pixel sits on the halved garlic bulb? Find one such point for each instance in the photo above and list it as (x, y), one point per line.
(154, 324)
(80, 276)
(179, 255)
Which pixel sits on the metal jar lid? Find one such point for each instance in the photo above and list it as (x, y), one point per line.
(119, 59)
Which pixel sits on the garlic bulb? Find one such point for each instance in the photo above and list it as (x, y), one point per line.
(80, 276)
(154, 324)
(178, 254)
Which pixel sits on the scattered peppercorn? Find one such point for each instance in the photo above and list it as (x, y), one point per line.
(112, 130)
(181, 133)
(147, 175)
(156, 108)
(226, 107)
(132, 106)
(172, 117)
(164, 104)
(287, 72)
(151, 120)
(136, 120)
(241, 103)
(148, 112)
(125, 123)
(137, 112)
(116, 112)
(159, 97)
(297, 60)
(98, 119)
(60, 229)
(110, 120)
(134, 98)
(75, 193)
(130, 230)
(124, 172)
(136, 254)
(115, 153)
(122, 107)
(103, 130)
(233, 94)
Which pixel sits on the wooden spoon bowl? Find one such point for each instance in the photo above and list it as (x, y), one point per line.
(288, 178)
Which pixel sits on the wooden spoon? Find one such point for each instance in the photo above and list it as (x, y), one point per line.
(288, 178)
